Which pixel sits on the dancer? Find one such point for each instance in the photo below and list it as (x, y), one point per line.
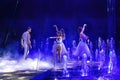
(65, 71)
(101, 57)
(25, 42)
(112, 57)
(73, 49)
(59, 46)
(84, 66)
(82, 45)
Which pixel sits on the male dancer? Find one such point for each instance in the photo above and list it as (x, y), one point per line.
(25, 42)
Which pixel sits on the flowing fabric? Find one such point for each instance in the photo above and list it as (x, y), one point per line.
(56, 45)
(81, 49)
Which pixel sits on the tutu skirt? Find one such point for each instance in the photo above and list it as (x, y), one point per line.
(81, 49)
(59, 46)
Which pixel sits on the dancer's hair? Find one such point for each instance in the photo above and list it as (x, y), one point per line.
(28, 28)
(62, 33)
(79, 29)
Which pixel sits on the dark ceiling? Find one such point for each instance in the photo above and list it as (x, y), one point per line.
(40, 8)
(42, 14)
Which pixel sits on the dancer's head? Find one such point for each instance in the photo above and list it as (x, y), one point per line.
(62, 30)
(59, 33)
(29, 29)
(73, 43)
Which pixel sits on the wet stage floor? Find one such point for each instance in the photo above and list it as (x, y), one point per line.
(73, 74)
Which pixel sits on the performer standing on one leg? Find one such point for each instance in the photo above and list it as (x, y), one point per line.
(25, 42)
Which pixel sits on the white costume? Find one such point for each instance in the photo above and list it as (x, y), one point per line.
(59, 42)
(25, 43)
(82, 48)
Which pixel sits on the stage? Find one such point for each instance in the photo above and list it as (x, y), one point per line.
(60, 40)
(56, 72)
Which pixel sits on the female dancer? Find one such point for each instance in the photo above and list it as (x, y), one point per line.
(82, 45)
(59, 46)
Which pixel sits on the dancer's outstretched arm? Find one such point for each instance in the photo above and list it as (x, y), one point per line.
(55, 37)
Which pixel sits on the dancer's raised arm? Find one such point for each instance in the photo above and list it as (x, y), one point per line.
(56, 28)
(82, 34)
(83, 28)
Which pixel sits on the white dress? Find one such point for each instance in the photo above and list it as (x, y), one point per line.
(59, 42)
(82, 48)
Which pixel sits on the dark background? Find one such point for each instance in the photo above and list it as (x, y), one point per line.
(41, 15)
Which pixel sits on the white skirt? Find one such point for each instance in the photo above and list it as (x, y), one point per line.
(81, 49)
(64, 51)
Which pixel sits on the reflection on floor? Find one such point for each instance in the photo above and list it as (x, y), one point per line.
(19, 75)
(75, 74)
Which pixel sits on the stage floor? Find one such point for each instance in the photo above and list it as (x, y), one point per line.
(57, 74)
(54, 72)
(20, 75)
(74, 74)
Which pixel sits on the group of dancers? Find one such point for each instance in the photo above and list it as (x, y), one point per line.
(58, 46)
(82, 50)
(60, 49)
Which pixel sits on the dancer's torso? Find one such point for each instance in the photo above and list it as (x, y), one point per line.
(25, 37)
(59, 40)
(83, 38)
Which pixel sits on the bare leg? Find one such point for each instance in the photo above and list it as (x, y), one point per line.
(59, 48)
